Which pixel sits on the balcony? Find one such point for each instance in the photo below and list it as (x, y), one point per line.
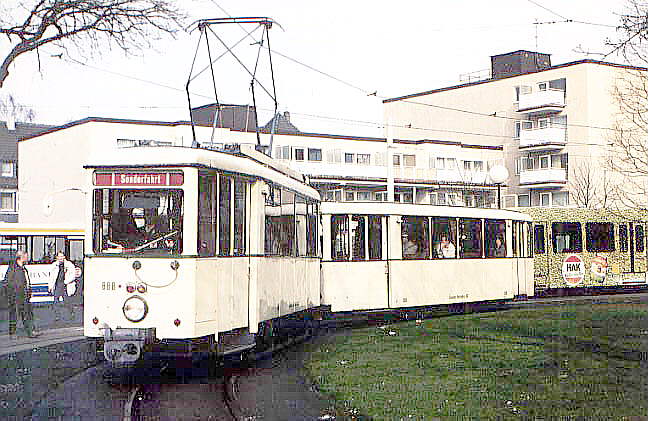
(551, 100)
(547, 177)
(544, 138)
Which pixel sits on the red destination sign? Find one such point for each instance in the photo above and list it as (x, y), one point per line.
(139, 179)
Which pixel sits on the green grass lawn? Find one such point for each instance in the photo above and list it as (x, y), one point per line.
(568, 361)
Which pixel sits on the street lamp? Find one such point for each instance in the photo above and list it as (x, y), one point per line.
(498, 175)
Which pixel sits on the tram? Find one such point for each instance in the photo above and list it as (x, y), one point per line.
(41, 242)
(584, 250)
(195, 250)
(392, 255)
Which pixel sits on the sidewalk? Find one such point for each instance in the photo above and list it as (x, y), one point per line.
(51, 331)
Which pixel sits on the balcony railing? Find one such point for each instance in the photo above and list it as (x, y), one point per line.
(543, 176)
(544, 136)
(541, 99)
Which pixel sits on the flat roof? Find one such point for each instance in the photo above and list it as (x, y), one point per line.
(479, 82)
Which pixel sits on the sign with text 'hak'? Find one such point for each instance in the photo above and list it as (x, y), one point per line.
(573, 270)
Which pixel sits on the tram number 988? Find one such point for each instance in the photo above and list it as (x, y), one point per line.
(108, 286)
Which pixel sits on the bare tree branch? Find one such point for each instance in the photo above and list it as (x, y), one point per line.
(131, 25)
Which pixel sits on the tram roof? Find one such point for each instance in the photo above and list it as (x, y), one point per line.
(246, 162)
(382, 208)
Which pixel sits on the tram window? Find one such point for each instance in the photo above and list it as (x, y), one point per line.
(206, 214)
(567, 237)
(358, 226)
(599, 236)
(415, 237)
(444, 237)
(224, 214)
(138, 221)
(280, 223)
(539, 239)
(301, 218)
(639, 238)
(311, 233)
(240, 202)
(339, 237)
(375, 237)
(529, 230)
(470, 238)
(623, 238)
(76, 251)
(495, 231)
(515, 235)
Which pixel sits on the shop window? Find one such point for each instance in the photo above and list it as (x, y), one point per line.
(414, 237)
(470, 238)
(567, 237)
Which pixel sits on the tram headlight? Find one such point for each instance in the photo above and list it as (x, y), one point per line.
(135, 309)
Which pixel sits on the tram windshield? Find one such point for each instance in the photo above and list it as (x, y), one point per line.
(138, 221)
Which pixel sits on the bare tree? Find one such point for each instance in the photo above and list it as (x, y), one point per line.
(12, 110)
(592, 186)
(86, 25)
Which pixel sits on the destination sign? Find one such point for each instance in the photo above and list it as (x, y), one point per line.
(140, 179)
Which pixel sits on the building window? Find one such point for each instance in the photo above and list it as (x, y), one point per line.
(544, 162)
(567, 237)
(363, 195)
(364, 159)
(542, 86)
(433, 198)
(440, 163)
(397, 161)
(299, 154)
(560, 198)
(348, 158)
(539, 239)
(380, 197)
(518, 129)
(432, 161)
(467, 165)
(451, 163)
(479, 165)
(441, 199)
(8, 169)
(329, 196)
(524, 200)
(544, 199)
(8, 201)
(543, 123)
(334, 156)
(314, 154)
(409, 160)
(349, 196)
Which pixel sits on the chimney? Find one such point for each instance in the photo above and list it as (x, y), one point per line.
(287, 116)
(11, 124)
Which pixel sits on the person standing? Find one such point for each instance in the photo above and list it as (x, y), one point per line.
(19, 294)
(62, 271)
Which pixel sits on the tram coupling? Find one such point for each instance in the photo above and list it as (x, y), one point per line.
(126, 346)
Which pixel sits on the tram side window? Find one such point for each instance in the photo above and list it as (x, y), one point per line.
(515, 235)
(470, 238)
(639, 238)
(539, 239)
(206, 214)
(44, 249)
(375, 237)
(280, 223)
(301, 216)
(311, 230)
(495, 231)
(415, 237)
(240, 202)
(358, 229)
(224, 214)
(339, 237)
(599, 236)
(444, 237)
(567, 237)
(623, 238)
(76, 251)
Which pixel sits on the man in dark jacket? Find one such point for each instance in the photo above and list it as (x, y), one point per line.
(19, 294)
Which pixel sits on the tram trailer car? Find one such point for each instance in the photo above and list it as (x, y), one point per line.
(390, 255)
(193, 249)
(588, 250)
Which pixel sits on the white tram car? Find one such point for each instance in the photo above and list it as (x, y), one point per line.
(192, 248)
(391, 256)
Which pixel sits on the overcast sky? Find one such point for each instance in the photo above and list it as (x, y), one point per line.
(394, 48)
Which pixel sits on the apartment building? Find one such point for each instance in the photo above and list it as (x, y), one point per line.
(553, 122)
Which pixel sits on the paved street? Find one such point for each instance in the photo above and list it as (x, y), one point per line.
(44, 318)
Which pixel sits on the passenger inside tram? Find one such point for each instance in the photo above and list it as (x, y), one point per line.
(410, 249)
(445, 248)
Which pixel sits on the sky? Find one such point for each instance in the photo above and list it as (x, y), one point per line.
(357, 48)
